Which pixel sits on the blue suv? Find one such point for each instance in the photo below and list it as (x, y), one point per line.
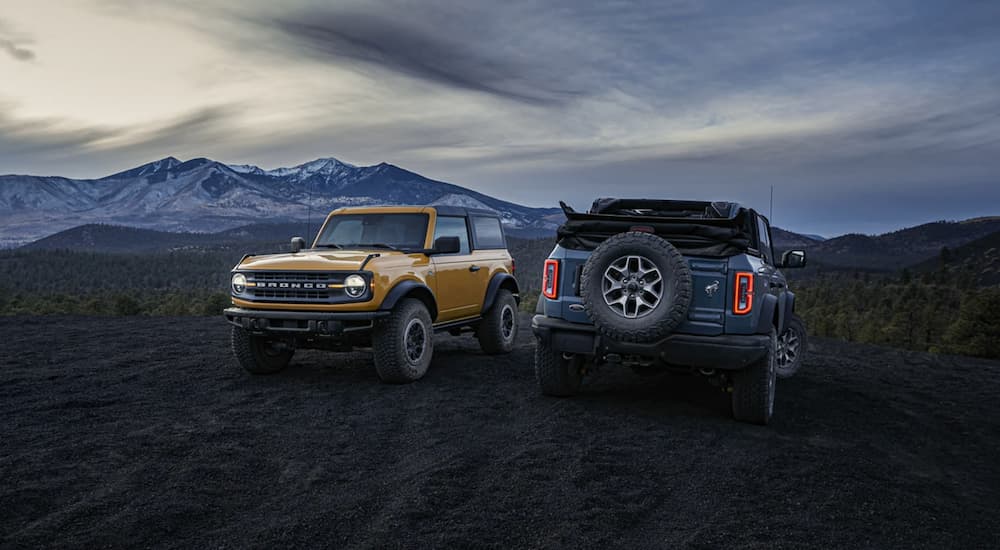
(663, 284)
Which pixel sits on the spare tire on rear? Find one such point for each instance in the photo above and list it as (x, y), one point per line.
(636, 287)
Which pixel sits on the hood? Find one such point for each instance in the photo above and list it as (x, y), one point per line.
(312, 260)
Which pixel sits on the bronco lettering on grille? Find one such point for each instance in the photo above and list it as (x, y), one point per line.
(289, 286)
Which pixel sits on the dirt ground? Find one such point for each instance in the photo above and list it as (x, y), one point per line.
(141, 432)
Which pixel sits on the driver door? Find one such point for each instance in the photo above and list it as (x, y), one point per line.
(456, 287)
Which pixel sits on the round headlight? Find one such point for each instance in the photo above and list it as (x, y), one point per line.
(355, 285)
(239, 283)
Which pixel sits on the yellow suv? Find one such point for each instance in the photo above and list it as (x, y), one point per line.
(379, 277)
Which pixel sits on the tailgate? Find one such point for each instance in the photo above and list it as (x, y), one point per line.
(709, 291)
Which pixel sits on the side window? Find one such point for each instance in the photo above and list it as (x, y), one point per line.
(764, 234)
(488, 232)
(452, 226)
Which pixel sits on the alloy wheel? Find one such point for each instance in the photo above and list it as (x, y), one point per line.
(632, 286)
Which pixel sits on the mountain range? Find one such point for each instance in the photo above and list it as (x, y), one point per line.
(202, 195)
(973, 246)
(893, 251)
(169, 205)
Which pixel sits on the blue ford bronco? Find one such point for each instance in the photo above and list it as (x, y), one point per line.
(663, 285)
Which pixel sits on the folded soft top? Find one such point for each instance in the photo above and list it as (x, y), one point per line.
(697, 228)
(665, 208)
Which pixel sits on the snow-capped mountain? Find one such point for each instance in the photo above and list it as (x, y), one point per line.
(203, 195)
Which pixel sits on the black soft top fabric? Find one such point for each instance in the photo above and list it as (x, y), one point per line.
(695, 228)
(665, 208)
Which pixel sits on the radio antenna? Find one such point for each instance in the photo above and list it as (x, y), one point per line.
(770, 214)
(309, 211)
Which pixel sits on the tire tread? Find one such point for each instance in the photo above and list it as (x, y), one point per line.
(751, 387)
(249, 356)
(390, 363)
(490, 331)
(554, 374)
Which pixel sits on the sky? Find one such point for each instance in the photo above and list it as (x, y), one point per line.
(863, 116)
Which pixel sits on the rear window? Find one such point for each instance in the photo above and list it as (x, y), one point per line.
(488, 232)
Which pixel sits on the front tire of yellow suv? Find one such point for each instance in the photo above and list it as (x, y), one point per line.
(403, 343)
(257, 354)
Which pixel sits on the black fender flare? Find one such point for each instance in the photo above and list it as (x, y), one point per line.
(786, 308)
(500, 280)
(768, 314)
(410, 288)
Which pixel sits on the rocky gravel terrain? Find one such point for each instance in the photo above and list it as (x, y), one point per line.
(141, 432)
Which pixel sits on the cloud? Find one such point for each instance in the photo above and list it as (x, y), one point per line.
(15, 51)
(536, 100)
(400, 43)
(30, 139)
(66, 147)
(10, 43)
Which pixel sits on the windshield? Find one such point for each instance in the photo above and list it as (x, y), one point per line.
(402, 231)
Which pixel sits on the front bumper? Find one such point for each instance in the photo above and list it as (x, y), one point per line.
(302, 322)
(725, 351)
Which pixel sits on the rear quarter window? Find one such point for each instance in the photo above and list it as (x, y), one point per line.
(488, 232)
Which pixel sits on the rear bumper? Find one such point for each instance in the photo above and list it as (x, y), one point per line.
(302, 322)
(725, 351)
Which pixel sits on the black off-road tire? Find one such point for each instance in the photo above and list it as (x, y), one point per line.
(753, 387)
(796, 339)
(254, 354)
(670, 310)
(394, 349)
(498, 329)
(556, 375)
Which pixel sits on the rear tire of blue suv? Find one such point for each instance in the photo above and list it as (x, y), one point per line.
(636, 287)
(557, 376)
(753, 387)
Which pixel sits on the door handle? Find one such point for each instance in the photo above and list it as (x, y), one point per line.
(474, 268)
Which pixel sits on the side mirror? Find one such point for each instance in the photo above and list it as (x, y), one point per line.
(298, 243)
(446, 245)
(793, 259)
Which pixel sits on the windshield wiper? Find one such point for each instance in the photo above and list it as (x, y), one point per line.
(329, 245)
(377, 245)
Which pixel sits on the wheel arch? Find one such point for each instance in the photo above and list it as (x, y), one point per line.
(499, 281)
(411, 289)
(769, 315)
(785, 310)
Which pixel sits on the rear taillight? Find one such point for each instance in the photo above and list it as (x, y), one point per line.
(513, 266)
(743, 299)
(550, 279)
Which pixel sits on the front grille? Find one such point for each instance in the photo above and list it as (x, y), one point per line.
(284, 294)
(319, 287)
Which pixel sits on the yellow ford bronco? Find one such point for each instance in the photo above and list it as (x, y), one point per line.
(380, 277)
